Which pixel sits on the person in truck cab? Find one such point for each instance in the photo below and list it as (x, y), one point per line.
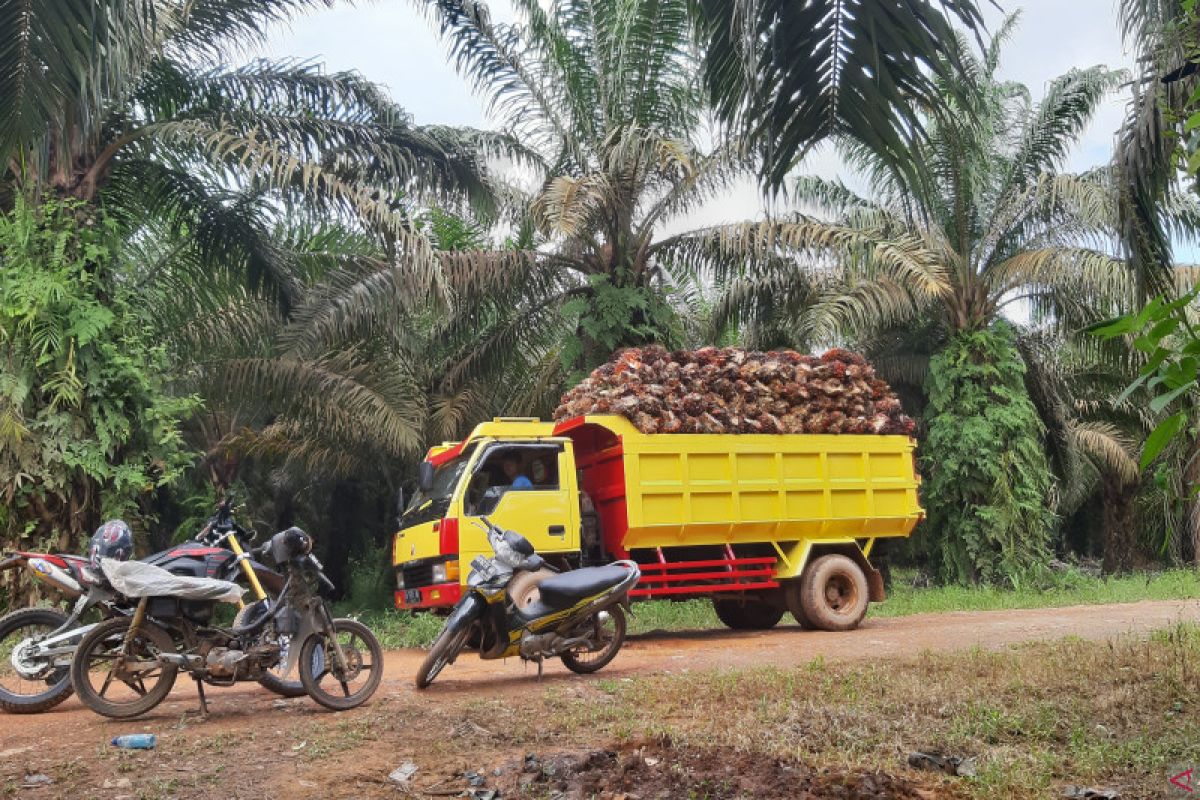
(512, 470)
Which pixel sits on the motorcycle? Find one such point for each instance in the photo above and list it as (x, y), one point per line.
(577, 616)
(36, 643)
(127, 665)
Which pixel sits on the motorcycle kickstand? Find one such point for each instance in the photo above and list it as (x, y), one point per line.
(203, 699)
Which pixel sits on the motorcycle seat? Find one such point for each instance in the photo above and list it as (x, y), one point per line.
(568, 588)
(136, 579)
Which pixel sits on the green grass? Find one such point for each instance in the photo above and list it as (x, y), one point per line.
(404, 629)
(1069, 589)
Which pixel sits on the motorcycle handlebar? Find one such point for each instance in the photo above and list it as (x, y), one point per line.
(320, 569)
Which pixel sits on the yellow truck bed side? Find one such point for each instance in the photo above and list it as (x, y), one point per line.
(712, 489)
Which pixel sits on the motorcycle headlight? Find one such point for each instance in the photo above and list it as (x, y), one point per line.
(439, 573)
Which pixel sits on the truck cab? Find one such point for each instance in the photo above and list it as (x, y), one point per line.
(515, 472)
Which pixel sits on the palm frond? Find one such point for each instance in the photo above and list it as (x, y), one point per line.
(790, 74)
(1070, 102)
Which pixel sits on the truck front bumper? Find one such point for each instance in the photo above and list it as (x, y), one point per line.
(438, 595)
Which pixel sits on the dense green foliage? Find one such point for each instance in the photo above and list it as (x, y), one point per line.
(987, 479)
(272, 275)
(88, 426)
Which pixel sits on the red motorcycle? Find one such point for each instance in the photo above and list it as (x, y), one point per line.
(36, 644)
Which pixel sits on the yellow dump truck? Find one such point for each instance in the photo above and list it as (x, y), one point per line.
(761, 523)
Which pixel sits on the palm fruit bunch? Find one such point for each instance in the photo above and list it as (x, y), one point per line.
(731, 390)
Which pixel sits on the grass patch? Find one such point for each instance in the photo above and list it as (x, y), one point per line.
(1068, 589)
(406, 629)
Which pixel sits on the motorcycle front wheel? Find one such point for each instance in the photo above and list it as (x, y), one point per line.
(446, 648)
(29, 685)
(122, 679)
(608, 634)
(342, 688)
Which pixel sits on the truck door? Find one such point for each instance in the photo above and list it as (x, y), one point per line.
(526, 487)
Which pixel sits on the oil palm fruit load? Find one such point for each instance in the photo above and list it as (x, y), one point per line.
(731, 390)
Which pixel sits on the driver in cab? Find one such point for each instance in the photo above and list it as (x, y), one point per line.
(512, 470)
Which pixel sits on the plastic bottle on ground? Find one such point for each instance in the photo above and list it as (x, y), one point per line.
(136, 741)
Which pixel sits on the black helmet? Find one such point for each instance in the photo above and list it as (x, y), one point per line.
(113, 539)
(290, 544)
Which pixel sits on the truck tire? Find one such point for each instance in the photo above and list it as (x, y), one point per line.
(751, 615)
(791, 597)
(834, 593)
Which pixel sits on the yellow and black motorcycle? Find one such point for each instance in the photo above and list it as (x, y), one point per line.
(577, 615)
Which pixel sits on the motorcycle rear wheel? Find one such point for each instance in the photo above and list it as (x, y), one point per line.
(611, 630)
(51, 685)
(446, 648)
(363, 654)
(98, 656)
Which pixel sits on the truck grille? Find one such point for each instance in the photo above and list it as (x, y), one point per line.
(419, 574)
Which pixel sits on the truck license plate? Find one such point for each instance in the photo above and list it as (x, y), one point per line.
(412, 596)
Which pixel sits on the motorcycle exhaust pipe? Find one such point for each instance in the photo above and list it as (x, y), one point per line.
(55, 576)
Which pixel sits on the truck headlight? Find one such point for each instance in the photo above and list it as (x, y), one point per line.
(439, 573)
(399, 580)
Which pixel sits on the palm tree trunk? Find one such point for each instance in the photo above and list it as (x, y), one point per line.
(1119, 525)
(1191, 478)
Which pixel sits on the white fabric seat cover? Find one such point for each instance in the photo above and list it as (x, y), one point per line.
(139, 579)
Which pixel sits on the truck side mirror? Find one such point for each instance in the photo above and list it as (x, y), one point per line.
(425, 476)
(399, 503)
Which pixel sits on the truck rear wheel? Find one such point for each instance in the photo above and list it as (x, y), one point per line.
(791, 596)
(751, 615)
(833, 593)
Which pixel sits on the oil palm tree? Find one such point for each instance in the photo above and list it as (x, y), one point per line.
(606, 96)
(987, 226)
(124, 103)
(205, 174)
(984, 221)
(1164, 35)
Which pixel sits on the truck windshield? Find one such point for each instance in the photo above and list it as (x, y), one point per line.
(433, 504)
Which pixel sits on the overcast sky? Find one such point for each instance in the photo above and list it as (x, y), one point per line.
(392, 44)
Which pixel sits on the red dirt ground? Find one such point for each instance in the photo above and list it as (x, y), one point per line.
(256, 746)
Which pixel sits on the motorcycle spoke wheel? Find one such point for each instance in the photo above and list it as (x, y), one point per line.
(607, 634)
(445, 649)
(346, 685)
(29, 683)
(119, 679)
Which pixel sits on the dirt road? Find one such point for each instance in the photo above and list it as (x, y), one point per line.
(53, 743)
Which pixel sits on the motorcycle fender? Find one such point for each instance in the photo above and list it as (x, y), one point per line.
(467, 610)
(307, 628)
